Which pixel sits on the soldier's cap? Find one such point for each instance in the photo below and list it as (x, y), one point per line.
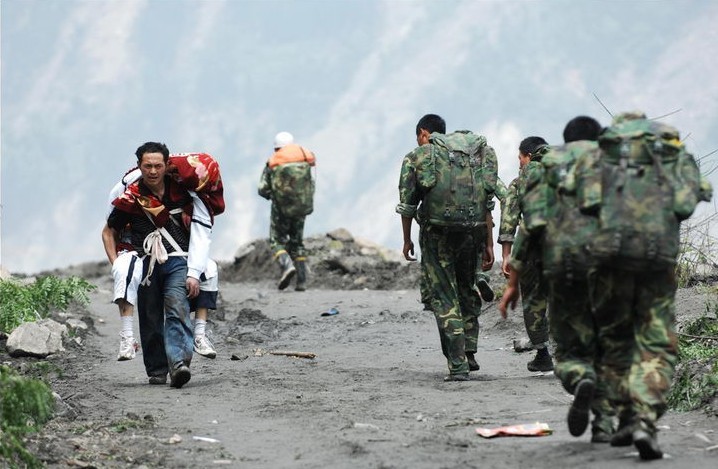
(283, 139)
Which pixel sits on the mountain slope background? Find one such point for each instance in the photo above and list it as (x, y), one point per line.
(85, 83)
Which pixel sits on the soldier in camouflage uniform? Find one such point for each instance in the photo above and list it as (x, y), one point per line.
(633, 284)
(565, 263)
(449, 253)
(287, 181)
(482, 277)
(534, 289)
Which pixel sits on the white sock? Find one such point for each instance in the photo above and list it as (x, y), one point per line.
(199, 327)
(127, 326)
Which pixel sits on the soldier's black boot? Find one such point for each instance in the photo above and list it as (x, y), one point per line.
(542, 361)
(485, 291)
(473, 364)
(288, 269)
(624, 434)
(645, 441)
(578, 414)
(301, 265)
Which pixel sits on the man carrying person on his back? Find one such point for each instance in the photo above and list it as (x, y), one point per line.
(448, 179)
(287, 181)
(158, 211)
(127, 267)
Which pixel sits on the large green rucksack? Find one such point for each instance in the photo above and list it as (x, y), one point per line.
(552, 213)
(293, 189)
(458, 177)
(641, 184)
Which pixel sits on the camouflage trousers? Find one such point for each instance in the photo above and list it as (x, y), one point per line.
(425, 282)
(635, 314)
(450, 262)
(578, 354)
(286, 234)
(534, 298)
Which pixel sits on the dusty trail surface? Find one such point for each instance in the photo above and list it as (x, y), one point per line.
(373, 397)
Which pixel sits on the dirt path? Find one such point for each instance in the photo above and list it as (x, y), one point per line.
(373, 397)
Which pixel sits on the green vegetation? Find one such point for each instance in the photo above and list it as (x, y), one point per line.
(25, 404)
(697, 250)
(695, 384)
(23, 303)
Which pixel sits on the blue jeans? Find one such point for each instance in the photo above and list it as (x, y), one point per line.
(163, 311)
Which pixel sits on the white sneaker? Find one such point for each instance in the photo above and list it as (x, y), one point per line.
(204, 347)
(128, 348)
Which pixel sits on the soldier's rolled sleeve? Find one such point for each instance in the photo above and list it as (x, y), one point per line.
(506, 238)
(406, 210)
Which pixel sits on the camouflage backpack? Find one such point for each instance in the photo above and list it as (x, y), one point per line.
(552, 213)
(293, 189)
(458, 175)
(641, 184)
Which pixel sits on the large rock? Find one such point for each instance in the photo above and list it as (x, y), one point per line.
(36, 339)
(341, 234)
(335, 260)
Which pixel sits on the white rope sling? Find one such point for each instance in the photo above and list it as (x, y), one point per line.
(153, 246)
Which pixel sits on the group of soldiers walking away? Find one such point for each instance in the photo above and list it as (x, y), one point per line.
(594, 258)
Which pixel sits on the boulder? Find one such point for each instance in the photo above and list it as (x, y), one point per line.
(36, 339)
(341, 234)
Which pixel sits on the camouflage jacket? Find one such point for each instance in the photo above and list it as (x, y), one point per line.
(513, 208)
(410, 194)
(554, 225)
(510, 213)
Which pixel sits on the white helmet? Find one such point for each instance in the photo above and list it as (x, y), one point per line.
(283, 139)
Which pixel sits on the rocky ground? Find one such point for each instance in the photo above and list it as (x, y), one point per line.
(372, 397)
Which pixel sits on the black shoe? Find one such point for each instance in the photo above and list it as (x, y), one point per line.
(578, 414)
(645, 441)
(602, 429)
(541, 362)
(599, 435)
(485, 291)
(624, 435)
(473, 364)
(158, 379)
(180, 376)
(457, 377)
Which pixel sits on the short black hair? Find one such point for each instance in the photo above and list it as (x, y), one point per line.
(431, 123)
(529, 145)
(152, 147)
(581, 128)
